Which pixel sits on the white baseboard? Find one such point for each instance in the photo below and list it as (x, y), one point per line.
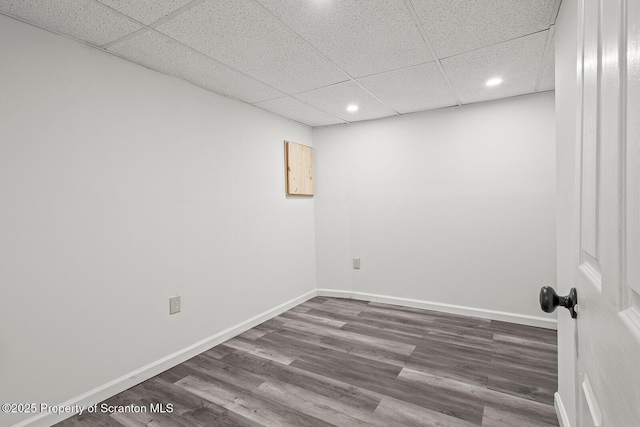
(523, 319)
(119, 385)
(131, 379)
(561, 412)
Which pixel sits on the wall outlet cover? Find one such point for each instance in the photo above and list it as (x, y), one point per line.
(174, 305)
(356, 263)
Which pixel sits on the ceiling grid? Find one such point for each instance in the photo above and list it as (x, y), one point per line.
(328, 59)
(308, 60)
(430, 47)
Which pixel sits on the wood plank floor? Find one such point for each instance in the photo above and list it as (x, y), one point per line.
(338, 362)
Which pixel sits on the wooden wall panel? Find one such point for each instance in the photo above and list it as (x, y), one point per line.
(299, 169)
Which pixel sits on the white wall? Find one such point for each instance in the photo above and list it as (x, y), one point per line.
(455, 206)
(120, 187)
(566, 102)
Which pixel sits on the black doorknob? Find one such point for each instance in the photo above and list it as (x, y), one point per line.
(549, 300)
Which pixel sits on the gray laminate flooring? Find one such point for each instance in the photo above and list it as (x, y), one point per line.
(339, 362)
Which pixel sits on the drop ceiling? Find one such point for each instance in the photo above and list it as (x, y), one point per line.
(307, 60)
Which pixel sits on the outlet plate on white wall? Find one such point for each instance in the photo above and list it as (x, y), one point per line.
(356, 263)
(174, 305)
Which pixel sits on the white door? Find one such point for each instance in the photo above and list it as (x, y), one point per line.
(608, 177)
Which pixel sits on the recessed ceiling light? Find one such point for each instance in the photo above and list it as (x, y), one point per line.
(494, 82)
(352, 108)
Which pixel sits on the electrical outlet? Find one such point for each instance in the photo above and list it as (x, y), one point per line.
(174, 305)
(356, 263)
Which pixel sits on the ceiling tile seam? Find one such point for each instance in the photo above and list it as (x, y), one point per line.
(270, 99)
(185, 8)
(193, 83)
(58, 33)
(321, 87)
(99, 49)
(219, 62)
(505, 98)
(319, 109)
(296, 121)
(194, 3)
(125, 38)
(283, 117)
(177, 12)
(495, 44)
(295, 96)
(394, 70)
(142, 24)
(349, 76)
(545, 55)
(425, 38)
(70, 37)
(176, 77)
(554, 14)
(304, 102)
(160, 21)
(375, 96)
(147, 28)
(117, 12)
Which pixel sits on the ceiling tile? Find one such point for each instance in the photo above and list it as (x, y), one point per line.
(299, 111)
(517, 62)
(145, 11)
(548, 81)
(242, 34)
(335, 99)
(157, 51)
(411, 89)
(83, 19)
(363, 38)
(457, 26)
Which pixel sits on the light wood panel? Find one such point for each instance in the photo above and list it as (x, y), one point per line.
(336, 362)
(299, 169)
